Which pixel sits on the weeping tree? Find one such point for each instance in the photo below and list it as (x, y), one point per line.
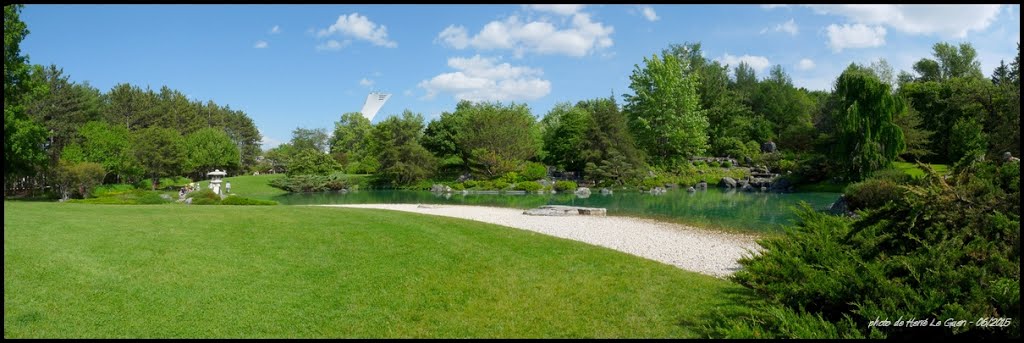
(866, 136)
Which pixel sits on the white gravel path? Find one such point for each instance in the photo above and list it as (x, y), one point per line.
(708, 252)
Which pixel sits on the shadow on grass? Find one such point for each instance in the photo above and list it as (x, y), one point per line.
(735, 303)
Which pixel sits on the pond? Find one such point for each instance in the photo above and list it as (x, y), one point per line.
(761, 212)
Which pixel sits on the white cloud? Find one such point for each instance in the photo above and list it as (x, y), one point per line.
(275, 29)
(582, 37)
(768, 7)
(261, 44)
(268, 142)
(333, 45)
(482, 79)
(649, 13)
(366, 82)
(953, 21)
(758, 63)
(359, 27)
(557, 9)
(855, 36)
(805, 64)
(787, 27)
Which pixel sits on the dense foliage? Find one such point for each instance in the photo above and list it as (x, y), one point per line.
(946, 249)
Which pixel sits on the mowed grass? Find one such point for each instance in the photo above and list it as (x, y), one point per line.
(78, 270)
(911, 169)
(252, 186)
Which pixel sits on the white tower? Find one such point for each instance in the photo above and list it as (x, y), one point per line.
(373, 103)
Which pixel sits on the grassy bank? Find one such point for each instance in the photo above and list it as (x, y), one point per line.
(77, 270)
(252, 186)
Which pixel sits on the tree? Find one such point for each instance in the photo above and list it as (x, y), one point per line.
(348, 143)
(866, 133)
(129, 106)
(664, 113)
(1001, 74)
(311, 139)
(968, 141)
(915, 136)
(495, 139)
(746, 82)
(110, 146)
(80, 176)
(439, 136)
(64, 109)
(160, 151)
(950, 62)
(210, 148)
(611, 154)
(884, 72)
(395, 145)
(928, 70)
(279, 157)
(955, 62)
(311, 162)
(564, 130)
(23, 138)
(786, 107)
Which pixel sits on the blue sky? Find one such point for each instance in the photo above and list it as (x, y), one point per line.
(291, 66)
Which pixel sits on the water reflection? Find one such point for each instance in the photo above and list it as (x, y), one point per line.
(715, 207)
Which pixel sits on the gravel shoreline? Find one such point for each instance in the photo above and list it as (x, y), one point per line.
(704, 251)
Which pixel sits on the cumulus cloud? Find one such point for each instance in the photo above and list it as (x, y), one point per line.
(275, 29)
(261, 44)
(947, 20)
(855, 36)
(805, 64)
(582, 37)
(649, 13)
(483, 79)
(366, 82)
(557, 9)
(787, 27)
(758, 63)
(333, 45)
(359, 27)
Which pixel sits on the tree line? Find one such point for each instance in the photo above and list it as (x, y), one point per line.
(55, 127)
(683, 105)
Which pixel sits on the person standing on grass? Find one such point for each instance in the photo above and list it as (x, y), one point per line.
(227, 187)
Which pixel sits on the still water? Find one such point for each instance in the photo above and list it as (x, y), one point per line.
(713, 208)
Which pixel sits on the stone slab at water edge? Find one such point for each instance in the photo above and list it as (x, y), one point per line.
(559, 210)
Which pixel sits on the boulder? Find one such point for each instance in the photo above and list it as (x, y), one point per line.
(840, 206)
(727, 182)
(691, 189)
(702, 185)
(559, 210)
(781, 185)
(768, 147)
(747, 188)
(583, 192)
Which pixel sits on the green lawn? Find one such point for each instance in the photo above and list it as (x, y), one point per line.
(252, 186)
(79, 270)
(915, 172)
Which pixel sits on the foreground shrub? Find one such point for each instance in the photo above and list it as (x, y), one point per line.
(529, 186)
(534, 171)
(942, 251)
(872, 193)
(562, 186)
(150, 198)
